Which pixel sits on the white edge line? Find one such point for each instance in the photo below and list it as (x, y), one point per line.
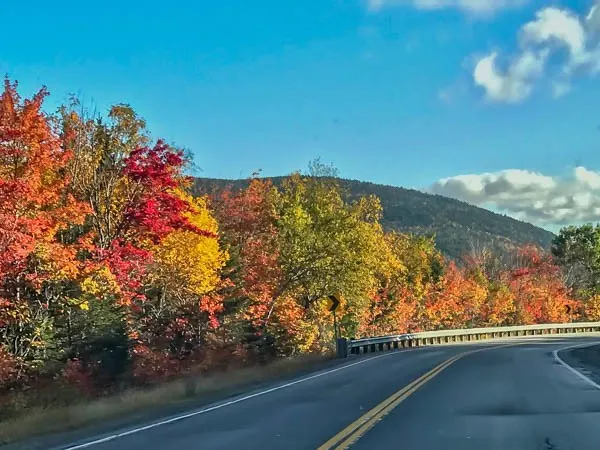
(221, 405)
(573, 370)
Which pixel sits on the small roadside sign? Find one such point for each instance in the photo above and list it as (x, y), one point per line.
(333, 303)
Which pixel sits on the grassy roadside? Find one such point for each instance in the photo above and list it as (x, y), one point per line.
(180, 393)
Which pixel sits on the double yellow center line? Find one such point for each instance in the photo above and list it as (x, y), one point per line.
(359, 427)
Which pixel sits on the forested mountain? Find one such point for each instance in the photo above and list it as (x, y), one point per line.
(458, 226)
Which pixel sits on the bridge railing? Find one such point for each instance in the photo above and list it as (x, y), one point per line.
(381, 343)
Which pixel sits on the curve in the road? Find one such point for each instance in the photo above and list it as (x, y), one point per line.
(359, 427)
(516, 398)
(572, 369)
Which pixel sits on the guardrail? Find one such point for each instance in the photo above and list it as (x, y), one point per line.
(381, 343)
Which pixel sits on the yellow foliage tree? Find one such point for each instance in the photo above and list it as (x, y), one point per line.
(186, 264)
(592, 308)
(327, 245)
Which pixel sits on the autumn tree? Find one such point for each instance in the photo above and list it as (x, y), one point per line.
(37, 255)
(129, 184)
(457, 302)
(326, 245)
(410, 276)
(389, 308)
(540, 294)
(499, 308)
(101, 149)
(247, 222)
(147, 232)
(485, 260)
(185, 271)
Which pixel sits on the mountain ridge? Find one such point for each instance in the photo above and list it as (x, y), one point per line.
(458, 226)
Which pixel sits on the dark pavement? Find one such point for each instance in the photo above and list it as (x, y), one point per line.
(509, 398)
(513, 398)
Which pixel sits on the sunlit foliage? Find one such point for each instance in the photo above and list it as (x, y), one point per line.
(112, 274)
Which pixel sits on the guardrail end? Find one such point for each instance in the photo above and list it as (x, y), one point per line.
(342, 348)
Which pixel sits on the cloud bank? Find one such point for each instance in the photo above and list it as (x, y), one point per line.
(555, 35)
(530, 196)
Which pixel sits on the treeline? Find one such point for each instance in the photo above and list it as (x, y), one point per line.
(455, 224)
(112, 274)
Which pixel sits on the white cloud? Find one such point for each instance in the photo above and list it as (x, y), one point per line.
(480, 7)
(552, 32)
(515, 83)
(555, 25)
(593, 18)
(530, 196)
(587, 177)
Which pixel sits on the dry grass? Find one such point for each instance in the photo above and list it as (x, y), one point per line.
(41, 421)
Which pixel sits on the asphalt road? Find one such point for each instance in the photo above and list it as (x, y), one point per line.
(510, 398)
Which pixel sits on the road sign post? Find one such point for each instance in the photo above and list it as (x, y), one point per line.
(341, 347)
(335, 327)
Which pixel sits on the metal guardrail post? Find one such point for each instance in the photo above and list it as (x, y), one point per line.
(342, 348)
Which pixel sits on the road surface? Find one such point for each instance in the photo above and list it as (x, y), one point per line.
(481, 396)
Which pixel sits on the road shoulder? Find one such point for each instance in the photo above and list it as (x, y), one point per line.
(60, 439)
(583, 359)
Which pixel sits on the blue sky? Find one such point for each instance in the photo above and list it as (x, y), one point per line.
(387, 91)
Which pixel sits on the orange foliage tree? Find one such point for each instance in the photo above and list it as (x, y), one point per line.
(540, 293)
(37, 211)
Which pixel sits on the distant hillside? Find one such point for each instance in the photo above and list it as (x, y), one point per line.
(457, 225)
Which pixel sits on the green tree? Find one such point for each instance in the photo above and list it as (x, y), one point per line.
(577, 251)
(327, 245)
